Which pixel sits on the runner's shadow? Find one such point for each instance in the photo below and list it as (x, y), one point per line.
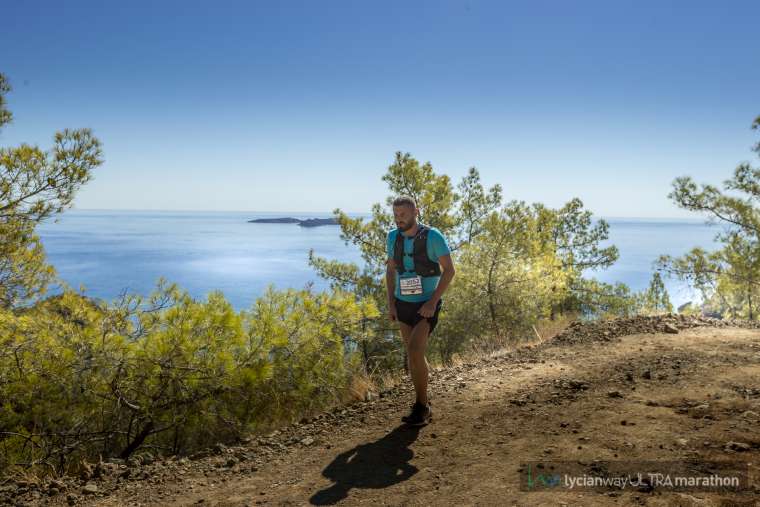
(377, 464)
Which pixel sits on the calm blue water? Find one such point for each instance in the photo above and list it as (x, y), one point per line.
(113, 251)
(641, 241)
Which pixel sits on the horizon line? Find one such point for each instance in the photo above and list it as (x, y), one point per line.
(347, 212)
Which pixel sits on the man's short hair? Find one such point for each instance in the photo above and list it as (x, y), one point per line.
(404, 200)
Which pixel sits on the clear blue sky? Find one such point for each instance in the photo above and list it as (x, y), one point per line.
(300, 106)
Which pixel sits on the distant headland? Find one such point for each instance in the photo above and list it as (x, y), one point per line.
(309, 222)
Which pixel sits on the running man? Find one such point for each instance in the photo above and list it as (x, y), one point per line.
(415, 284)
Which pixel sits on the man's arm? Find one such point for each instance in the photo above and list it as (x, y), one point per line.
(390, 284)
(447, 274)
(428, 309)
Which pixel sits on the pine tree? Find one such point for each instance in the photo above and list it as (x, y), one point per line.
(728, 278)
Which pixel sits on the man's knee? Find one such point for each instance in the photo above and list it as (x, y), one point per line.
(416, 352)
(418, 340)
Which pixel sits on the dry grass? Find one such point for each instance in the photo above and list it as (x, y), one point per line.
(551, 328)
(360, 385)
(484, 349)
(545, 329)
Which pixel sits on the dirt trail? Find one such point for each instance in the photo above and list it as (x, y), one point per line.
(694, 394)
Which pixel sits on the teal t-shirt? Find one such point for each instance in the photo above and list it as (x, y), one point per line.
(436, 247)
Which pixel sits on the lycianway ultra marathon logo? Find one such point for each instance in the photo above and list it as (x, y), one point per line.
(720, 476)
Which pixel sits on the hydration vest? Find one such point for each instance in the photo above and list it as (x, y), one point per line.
(423, 266)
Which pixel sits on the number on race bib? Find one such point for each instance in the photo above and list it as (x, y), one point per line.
(410, 286)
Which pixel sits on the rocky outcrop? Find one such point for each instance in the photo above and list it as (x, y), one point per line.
(579, 332)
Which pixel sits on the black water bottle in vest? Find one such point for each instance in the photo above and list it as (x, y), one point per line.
(423, 266)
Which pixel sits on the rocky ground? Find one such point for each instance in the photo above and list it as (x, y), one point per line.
(673, 388)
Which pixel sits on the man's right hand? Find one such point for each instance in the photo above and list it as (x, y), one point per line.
(392, 313)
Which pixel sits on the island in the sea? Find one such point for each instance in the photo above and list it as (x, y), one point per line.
(309, 222)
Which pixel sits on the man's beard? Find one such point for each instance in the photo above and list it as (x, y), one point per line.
(406, 227)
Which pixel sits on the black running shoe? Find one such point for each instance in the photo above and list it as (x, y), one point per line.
(405, 418)
(420, 415)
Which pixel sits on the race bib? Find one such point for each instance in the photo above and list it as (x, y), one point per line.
(410, 286)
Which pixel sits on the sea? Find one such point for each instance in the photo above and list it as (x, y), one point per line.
(107, 253)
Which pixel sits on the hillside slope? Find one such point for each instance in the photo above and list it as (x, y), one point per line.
(616, 391)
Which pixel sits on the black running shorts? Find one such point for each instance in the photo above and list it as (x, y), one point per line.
(407, 313)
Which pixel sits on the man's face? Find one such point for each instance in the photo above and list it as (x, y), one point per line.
(405, 217)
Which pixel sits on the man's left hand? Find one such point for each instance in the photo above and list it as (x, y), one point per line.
(428, 309)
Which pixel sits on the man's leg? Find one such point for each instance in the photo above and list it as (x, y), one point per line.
(418, 364)
(406, 335)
